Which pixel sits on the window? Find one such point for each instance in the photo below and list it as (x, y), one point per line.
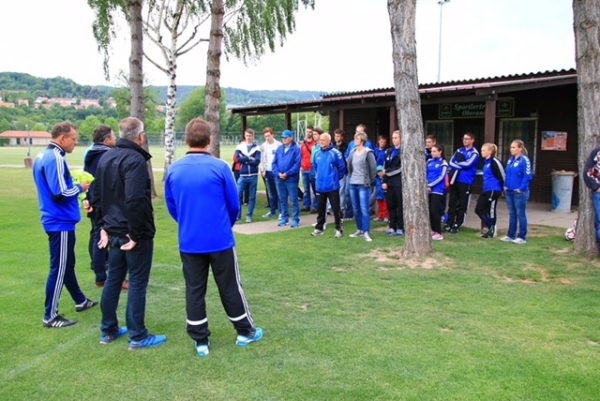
(524, 129)
(444, 133)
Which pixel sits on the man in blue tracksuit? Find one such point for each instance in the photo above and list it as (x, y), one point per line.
(464, 167)
(247, 155)
(286, 169)
(60, 212)
(328, 168)
(202, 197)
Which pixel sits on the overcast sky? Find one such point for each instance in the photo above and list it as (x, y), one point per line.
(341, 45)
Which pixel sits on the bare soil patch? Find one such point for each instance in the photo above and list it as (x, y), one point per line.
(395, 261)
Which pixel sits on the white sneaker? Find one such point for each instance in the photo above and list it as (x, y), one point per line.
(367, 237)
(316, 233)
(357, 234)
(338, 234)
(507, 239)
(519, 241)
(248, 219)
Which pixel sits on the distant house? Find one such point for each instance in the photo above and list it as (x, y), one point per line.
(7, 104)
(19, 138)
(23, 102)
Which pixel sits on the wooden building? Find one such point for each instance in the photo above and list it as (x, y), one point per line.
(538, 108)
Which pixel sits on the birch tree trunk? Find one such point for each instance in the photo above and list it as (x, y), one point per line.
(170, 110)
(136, 72)
(586, 20)
(408, 105)
(213, 76)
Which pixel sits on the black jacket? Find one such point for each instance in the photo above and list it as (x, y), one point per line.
(393, 168)
(90, 164)
(122, 197)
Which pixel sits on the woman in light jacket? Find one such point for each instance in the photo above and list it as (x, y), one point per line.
(362, 169)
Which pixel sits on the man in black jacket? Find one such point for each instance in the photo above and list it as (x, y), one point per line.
(123, 205)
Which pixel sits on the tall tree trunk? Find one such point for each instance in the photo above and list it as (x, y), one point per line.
(136, 72)
(586, 16)
(408, 105)
(170, 110)
(213, 76)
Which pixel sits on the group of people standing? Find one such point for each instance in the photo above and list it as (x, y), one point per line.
(457, 177)
(123, 215)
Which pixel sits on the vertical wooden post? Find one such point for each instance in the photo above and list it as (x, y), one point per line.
(244, 123)
(490, 120)
(393, 120)
(341, 121)
(288, 121)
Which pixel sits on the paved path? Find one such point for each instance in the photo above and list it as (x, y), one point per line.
(537, 214)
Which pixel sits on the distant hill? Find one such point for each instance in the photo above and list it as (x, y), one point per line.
(65, 87)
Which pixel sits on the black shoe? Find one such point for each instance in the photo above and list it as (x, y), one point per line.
(86, 305)
(58, 322)
(447, 228)
(454, 230)
(490, 234)
(313, 211)
(305, 209)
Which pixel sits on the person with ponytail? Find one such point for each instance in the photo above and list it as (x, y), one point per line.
(437, 168)
(516, 188)
(493, 183)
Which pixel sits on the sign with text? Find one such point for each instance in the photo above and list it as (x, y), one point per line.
(554, 140)
(504, 108)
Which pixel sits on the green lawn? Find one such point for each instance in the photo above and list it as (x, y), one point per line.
(15, 155)
(343, 320)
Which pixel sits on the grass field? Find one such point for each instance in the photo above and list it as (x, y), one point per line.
(15, 155)
(343, 320)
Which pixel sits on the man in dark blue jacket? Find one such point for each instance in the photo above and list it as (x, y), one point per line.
(286, 169)
(104, 139)
(248, 155)
(124, 212)
(328, 168)
(60, 212)
(202, 197)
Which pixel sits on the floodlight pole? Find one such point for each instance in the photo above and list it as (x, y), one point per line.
(441, 3)
(28, 141)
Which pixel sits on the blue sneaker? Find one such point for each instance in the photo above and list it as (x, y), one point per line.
(150, 341)
(295, 224)
(391, 231)
(242, 341)
(202, 349)
(283, 223)
(399, 233)
(106, 339)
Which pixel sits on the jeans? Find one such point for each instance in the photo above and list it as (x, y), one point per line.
(99, 256)
(596, 204)
(343, 193)
(287, 189)
(250, 182)
(309, 201)
(359, 196)
(517, 203)
(137, 262)
(271, 187)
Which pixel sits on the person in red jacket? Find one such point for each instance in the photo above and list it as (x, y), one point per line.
(309, 200)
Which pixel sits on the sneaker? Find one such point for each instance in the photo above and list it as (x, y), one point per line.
(391, 231)
(248, 219)
(491, 233)
(367, 237)
(296, 224)
(87, 304)
(313, 211)
(377, 219)
(399, 233)
(125, 285)
(279, 217)
(338, 234)
(454, 230)
(519, 241)
(386, 220)
(150, 341)
(242, 341)
(316, 233)
(59, 321)
(495, 233)
(201, 349)
(507, 239)
(357, 234)
(447, 228)
(283, 223)
(437, 237)
(268, 216)
(106, 339)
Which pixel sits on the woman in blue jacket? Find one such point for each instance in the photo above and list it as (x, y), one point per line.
(493, 183)
(437, 168)
(516, 188)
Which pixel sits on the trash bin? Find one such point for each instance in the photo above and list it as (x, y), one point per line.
(562, 190)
